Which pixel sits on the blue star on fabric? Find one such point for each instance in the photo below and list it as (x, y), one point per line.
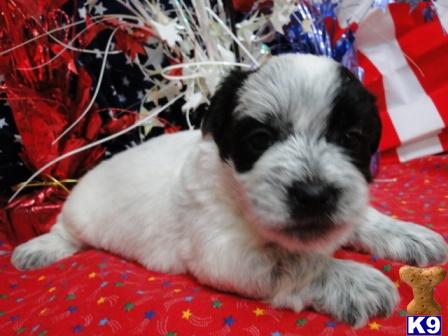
(103, 322)
(150, 314)
(78, 328)
(72, 309)
(276, 333)
(188, 298)
(229, 321)
(331, 324)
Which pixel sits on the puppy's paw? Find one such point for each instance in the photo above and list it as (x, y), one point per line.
(406, 242)
(24, 258)
(353, 293)
(42, 251)
(417, 245)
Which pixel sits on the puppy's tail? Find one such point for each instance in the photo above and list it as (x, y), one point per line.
(46, 249)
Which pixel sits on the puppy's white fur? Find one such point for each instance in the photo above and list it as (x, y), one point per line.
(174, 206)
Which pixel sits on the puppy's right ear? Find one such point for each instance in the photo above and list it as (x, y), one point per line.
(217, 121)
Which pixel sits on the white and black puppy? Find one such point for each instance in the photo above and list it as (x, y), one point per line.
(258, 202)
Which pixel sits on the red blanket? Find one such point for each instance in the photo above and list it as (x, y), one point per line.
(95, 293)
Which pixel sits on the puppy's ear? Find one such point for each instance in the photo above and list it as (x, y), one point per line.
(367, 101)
(355, 106)
(218, 119)
(223, 102)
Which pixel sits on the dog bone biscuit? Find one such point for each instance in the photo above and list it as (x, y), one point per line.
(422, 281)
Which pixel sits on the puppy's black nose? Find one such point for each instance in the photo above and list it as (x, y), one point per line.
(312, 199)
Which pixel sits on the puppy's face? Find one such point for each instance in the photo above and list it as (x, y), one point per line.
(299, 134)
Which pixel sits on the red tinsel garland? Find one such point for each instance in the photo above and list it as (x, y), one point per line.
(46, 96)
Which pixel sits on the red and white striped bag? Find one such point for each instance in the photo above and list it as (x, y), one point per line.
(406, 66)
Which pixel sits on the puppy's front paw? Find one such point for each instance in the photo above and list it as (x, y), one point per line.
(353, 293)
(42, 251)
(406, 242)
(24, 257)
(417, 245)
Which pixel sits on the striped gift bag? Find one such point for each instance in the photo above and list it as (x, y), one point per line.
(405, 59)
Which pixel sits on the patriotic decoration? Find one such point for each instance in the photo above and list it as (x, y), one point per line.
(404, 57)
(47, 109)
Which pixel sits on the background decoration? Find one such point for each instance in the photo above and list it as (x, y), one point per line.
(403, 56)
(46, 90)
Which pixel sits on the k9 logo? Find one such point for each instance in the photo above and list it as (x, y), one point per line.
(423, 325)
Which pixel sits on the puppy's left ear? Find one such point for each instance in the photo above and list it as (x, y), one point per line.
(217, 121)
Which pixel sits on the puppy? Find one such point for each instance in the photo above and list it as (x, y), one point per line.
(258, 201)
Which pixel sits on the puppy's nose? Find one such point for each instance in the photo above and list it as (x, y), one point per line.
(312, 198)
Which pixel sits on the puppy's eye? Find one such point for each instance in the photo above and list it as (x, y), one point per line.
(353, 139)
(259, 140)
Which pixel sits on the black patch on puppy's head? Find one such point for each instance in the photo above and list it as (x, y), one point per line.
(241, 139)
(218, 119)
(354, 123)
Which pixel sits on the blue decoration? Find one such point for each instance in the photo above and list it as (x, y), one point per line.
(103, 322)
(149, 314)
(311, 31)
(229, 321)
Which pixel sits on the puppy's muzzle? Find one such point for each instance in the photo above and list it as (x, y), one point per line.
(312, 202)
